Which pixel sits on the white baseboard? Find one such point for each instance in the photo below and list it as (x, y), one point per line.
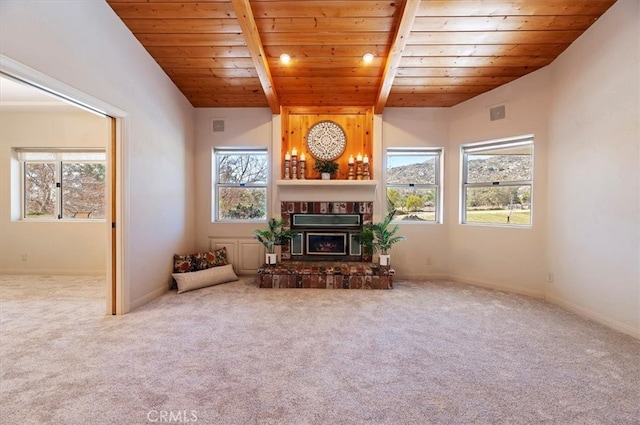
(585, 312)
(55, 272)
(434, 276)
(145, 299)
(507, 288)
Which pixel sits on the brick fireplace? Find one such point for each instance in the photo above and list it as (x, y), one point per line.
(326, 230)
(325, 254)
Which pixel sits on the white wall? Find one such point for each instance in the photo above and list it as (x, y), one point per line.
(60, 247)
(243, 127)
(417, 127)
(594, 198)
(86, 46)
(501, 257)
(583, 110)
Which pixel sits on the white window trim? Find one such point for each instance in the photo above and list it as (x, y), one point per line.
(22, 152)
(487, 146)
(215, 185)
(439, 151)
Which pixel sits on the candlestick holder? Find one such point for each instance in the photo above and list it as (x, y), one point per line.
(359, 170)
(351, 175)
(287, 164)
(294, 167)
(303, 165)
(365, 174)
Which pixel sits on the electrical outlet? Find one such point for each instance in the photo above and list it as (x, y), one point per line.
(428, 261)
(24, 257)
(550, 277)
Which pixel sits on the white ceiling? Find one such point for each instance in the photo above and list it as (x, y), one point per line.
(21, 96)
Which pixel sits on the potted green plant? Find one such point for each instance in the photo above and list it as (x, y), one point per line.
(380, 237)
(275, 234)
(326, 168)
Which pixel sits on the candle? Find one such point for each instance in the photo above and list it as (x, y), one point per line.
(359, 158)
(351, 159)
(365, 159)
(287, 157)
(302, 157)
(294, 152)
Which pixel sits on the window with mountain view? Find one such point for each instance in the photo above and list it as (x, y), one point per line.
(497, 182)
(413, 184)
(240, 184)
(63, 183)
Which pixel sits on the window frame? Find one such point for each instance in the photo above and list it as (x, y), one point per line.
(437, 185)
(59, 163)
(216, 185)
(488, 146)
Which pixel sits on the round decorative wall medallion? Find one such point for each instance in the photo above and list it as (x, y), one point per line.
(326, 140)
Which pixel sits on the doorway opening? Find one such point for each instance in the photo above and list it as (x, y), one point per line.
(35, 117)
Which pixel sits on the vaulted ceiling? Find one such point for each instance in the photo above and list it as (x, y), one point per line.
(427, 53)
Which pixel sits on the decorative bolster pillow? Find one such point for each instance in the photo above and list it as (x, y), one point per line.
(198, 261)
(203, 278)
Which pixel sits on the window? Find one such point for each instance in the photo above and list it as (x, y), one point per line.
(63, 184)
(497, 182)
(413, 183)
(240, 184)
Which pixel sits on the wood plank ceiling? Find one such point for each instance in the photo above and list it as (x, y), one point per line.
(429, 53)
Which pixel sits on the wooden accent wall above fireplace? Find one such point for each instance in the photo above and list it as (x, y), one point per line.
(357, 123)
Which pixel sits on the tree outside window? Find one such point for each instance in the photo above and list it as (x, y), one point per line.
(240, 184)
(61, 184)
(413, 183)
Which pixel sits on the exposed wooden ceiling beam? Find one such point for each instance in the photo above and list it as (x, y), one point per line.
(252, 37)
(395, 52)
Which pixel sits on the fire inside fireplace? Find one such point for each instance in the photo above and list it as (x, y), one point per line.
(326, 243)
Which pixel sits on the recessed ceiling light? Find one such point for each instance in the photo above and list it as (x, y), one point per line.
(367, 57)
(285, 58)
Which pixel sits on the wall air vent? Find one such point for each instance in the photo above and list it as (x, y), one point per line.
(498, 113)
(218, 125)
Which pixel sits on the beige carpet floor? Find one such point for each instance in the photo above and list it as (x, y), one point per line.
(423, 353)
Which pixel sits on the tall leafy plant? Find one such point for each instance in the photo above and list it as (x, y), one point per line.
(379, 237)
(274, 235)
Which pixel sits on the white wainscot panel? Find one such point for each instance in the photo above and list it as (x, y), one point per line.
(251, 256)
(245, 254)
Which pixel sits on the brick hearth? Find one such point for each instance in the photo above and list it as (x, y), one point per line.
(326, 275)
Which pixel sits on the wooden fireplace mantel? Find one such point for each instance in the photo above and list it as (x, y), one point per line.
(321, 190)
(329, 183)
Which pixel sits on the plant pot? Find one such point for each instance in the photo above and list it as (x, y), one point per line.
(325, 176)
(271, 258)
(385, 259)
